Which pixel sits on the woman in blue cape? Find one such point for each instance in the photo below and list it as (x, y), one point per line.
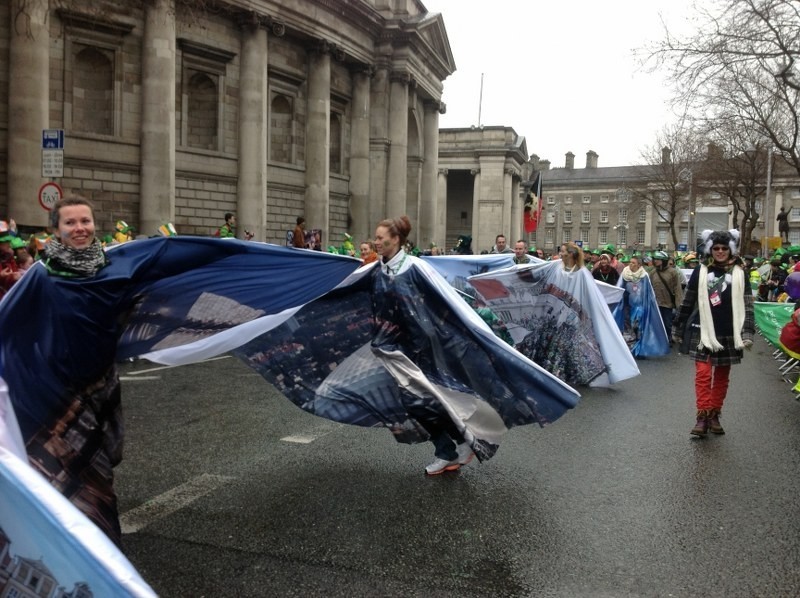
(637, 315)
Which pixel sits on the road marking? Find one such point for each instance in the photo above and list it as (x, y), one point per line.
(311, 435)
(136, 378)
(170, 501)
(168, 367)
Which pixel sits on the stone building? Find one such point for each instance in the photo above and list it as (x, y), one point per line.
(480, 170)
(597, 205)
(181, 110)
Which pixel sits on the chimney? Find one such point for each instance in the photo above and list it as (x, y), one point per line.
(569, 164)
(591, 159)
(666, 155)
(534, 160)
(544, 164)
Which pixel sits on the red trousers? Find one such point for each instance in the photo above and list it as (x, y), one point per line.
(710, 384)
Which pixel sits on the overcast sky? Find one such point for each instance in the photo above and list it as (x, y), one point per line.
(561, 74)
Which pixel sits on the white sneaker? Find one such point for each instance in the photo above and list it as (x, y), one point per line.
(465, 453)
(440, 466)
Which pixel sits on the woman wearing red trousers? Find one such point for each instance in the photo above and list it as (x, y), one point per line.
(716, 321)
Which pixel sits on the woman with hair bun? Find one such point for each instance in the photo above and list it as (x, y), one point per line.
(716, 320)
(404, 333)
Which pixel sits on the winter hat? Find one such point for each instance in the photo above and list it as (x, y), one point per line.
(719, 237)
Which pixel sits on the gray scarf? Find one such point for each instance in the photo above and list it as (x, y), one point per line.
(68, 261)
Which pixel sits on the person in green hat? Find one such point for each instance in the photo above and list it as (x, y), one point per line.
(21, 254)
(9, 270)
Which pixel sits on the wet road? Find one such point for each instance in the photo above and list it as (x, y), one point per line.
(228, 489)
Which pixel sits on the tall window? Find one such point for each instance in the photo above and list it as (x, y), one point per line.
(622, 236)
(201, 115)
(640, 237)
(602, 237)
(281, 138)
(567, 216)
(662, 236)
(566, 236)
(549, 236)
(93, 91)
(604, 216)
(586, 217)
(643, 215)
(623, 214)
(550, 217)
(794, 215)
(585, 236)
(336, 143)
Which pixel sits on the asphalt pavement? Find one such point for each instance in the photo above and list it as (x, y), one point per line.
(229, 489)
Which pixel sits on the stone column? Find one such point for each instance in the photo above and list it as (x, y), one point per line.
(157, 149)
(476, 203)
(440, 226)
(508, 204)
(318, 140)
(363, 226)
(398, 148)
(378, 142)
(429, 204)
(251, 204)
(515, 230)
(28, 108)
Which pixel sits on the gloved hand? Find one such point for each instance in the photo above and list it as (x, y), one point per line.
(748, 344)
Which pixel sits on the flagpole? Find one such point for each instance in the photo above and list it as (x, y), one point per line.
(480, 102)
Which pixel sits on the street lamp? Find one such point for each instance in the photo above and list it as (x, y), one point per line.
(686, 175)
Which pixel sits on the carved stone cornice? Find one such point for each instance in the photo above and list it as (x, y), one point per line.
(323, 46)
(475, 171)
(443, 171)
(361, 68)
(403, 77)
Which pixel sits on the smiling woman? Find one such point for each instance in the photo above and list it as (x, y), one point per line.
(75, 251)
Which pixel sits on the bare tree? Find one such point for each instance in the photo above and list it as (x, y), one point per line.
(739, 69)
(736, 171)
(669, 166)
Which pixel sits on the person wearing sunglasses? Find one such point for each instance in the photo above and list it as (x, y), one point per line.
(716, 320)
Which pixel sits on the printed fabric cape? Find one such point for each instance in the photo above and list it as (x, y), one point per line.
(560, 320)
(173, 300)
(639, 320)
(771, 317)
(430, 352)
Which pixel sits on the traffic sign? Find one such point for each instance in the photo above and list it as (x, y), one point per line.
(52, 163)
(53, 139)
(49, 194)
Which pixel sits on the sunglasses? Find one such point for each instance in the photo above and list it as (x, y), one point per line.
(720, 248)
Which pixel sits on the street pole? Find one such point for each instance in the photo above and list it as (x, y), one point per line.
(766, 203)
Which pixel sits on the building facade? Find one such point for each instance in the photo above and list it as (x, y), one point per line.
(598, 205)
(179, 111)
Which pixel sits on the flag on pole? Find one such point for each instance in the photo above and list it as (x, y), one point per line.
(533, 205)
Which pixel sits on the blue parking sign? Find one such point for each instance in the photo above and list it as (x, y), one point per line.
(53, 139)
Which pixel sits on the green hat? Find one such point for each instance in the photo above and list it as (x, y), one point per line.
(625, 259)
(17, 243)
(7, 238)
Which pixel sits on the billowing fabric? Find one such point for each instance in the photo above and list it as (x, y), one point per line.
(41, 525)
(560, 320)
(176, 300)
(639, 320)
(456, 269)
(377, 350)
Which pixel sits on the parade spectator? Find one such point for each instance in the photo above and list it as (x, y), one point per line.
(716, 322)
(227, 230)
(21, 254)
(299, 234)
(393, 330)
(500, 245)
(520, 255)
(789, 339)
(571, 257)
(604, 272)
(9, 270)
(772, 286)
(368, 253)
(666, 283)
